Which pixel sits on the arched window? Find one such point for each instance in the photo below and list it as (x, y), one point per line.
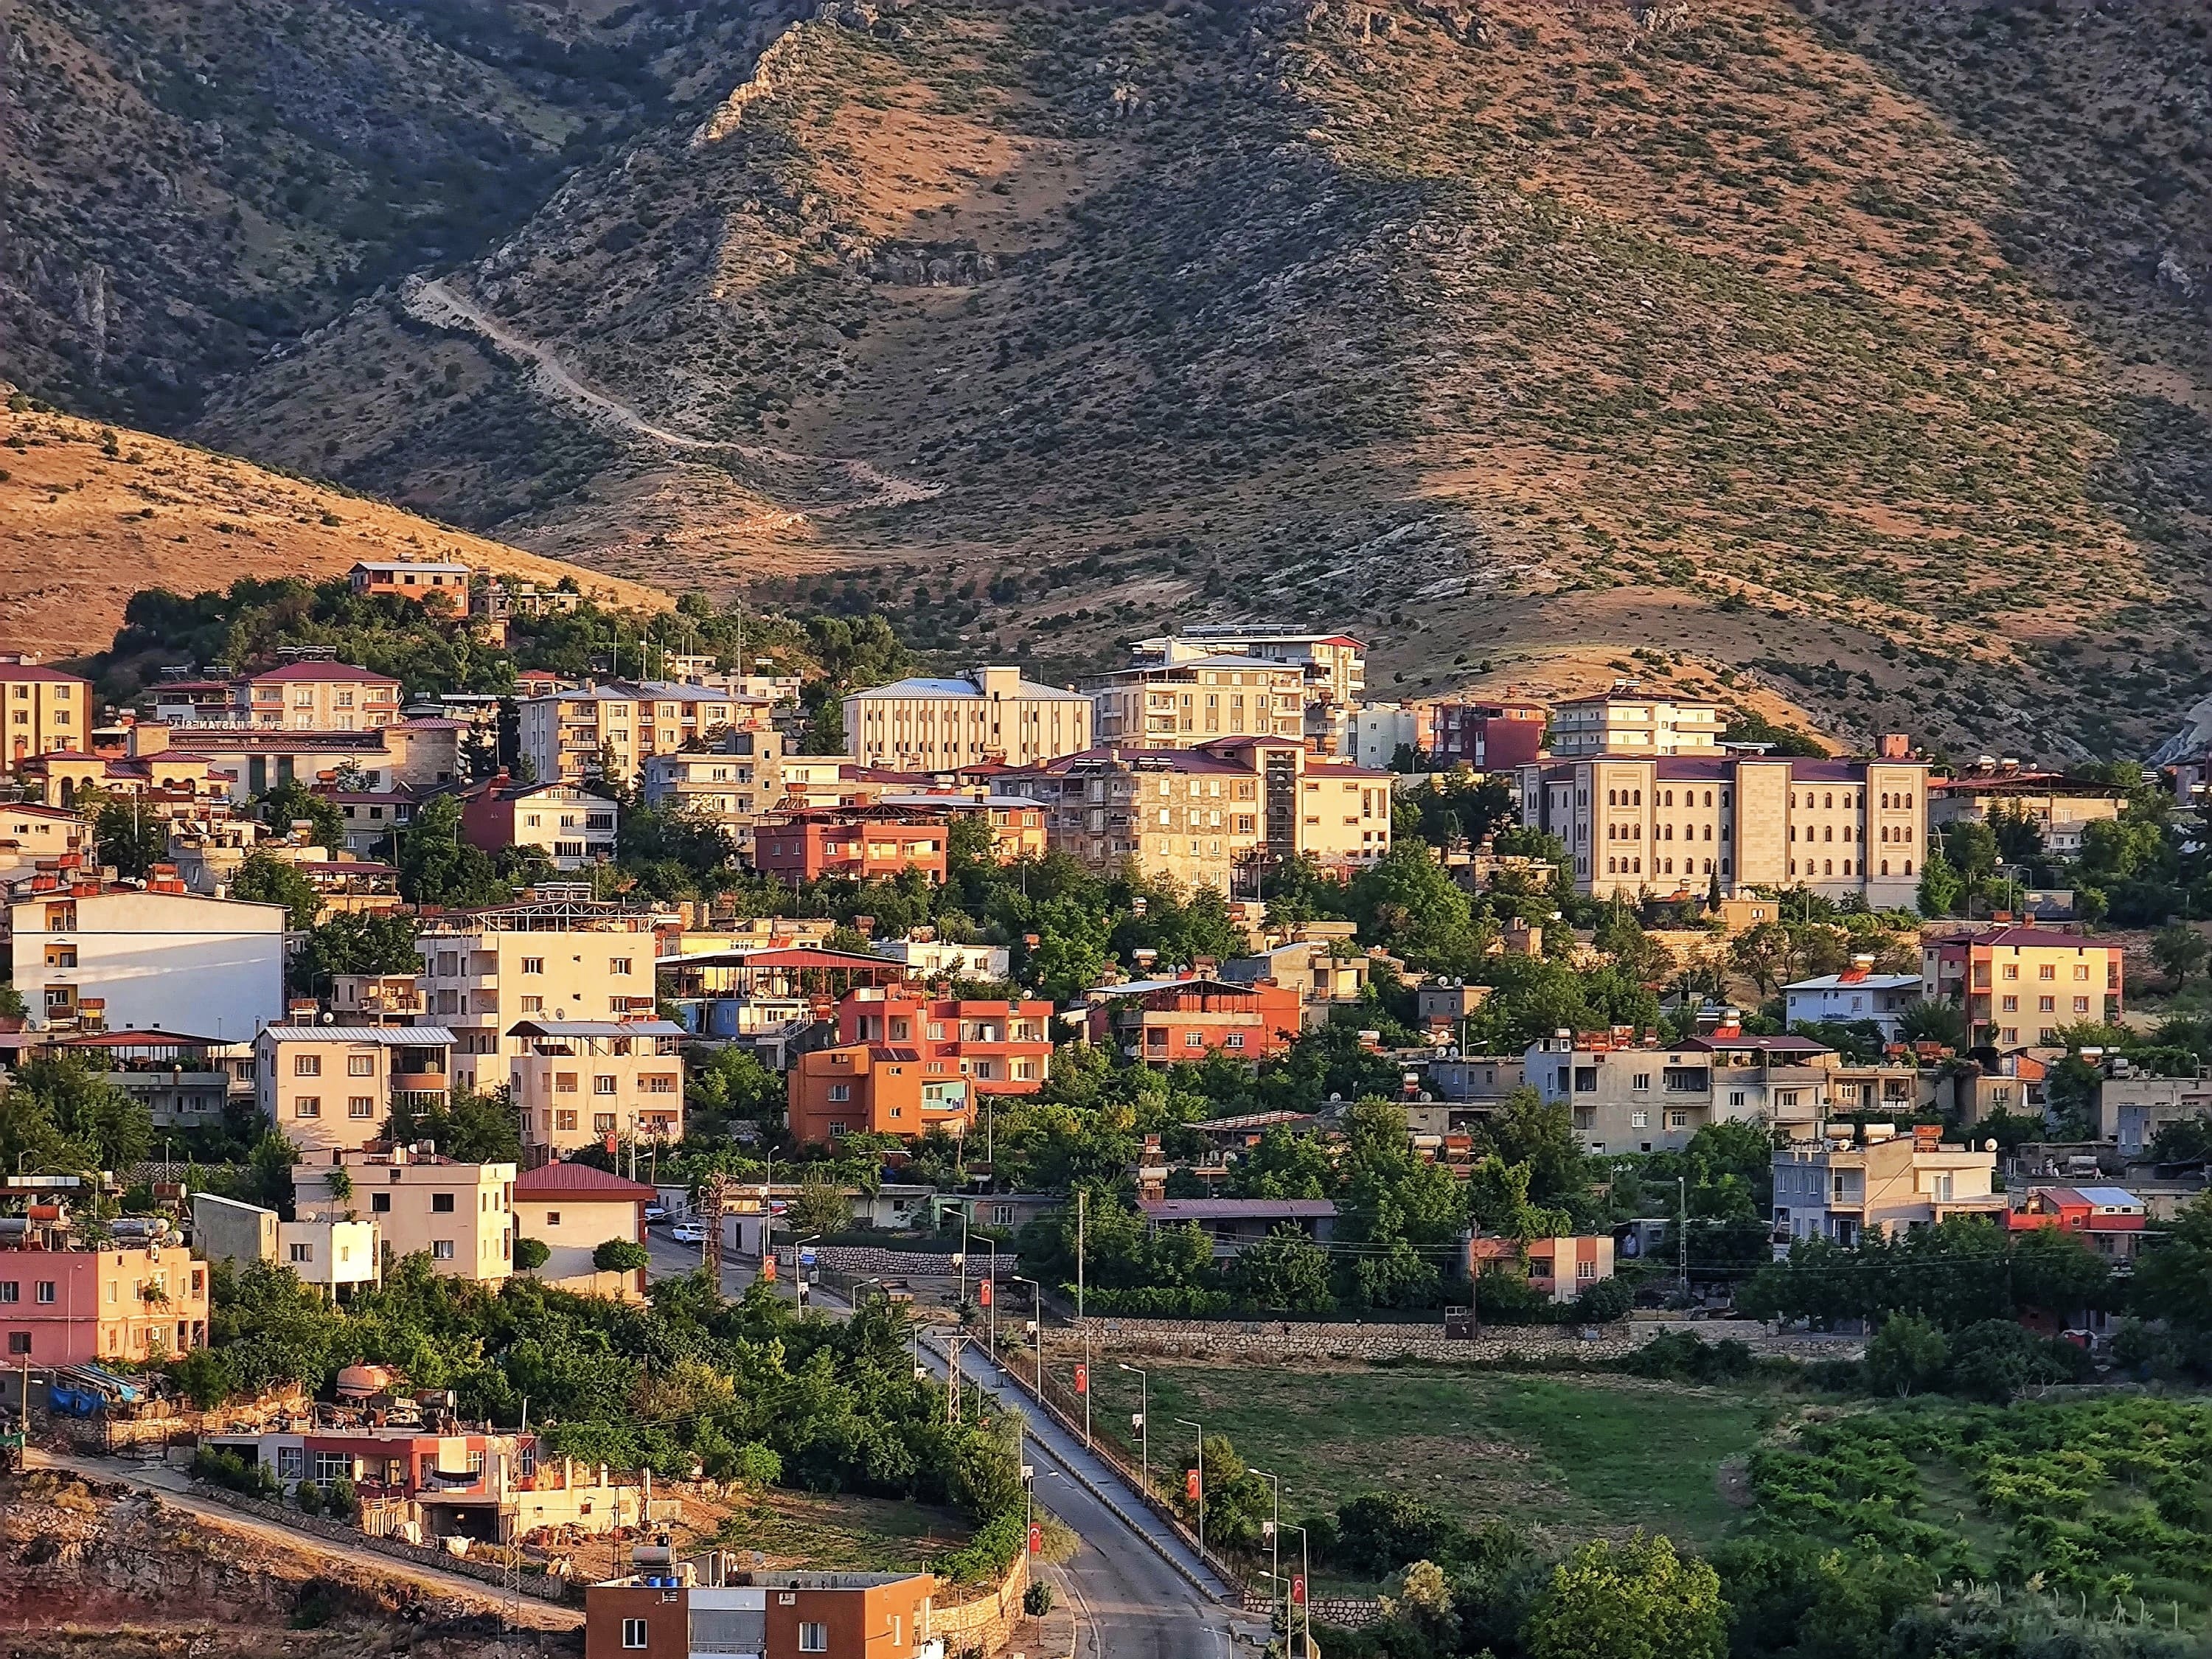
(1829, 868)
(1709, 832)
(1885, 800)
(1638, 801)
(1724, 867)
(1709, 798)
(1908, 867)
(1610, 867)
(1828, 799)
(1793, 866)
(1609, 800)
(1847, 866)
(1885, 866)
(1847, 832)
(1828, 833)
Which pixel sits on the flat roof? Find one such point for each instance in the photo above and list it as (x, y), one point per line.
(390, 1036)
(1238, 1209)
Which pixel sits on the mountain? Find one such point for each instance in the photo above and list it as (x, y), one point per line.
(89, 514)
(1852, 350)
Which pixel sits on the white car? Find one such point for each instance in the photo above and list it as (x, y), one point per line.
(690, 1232)
(654, 1212)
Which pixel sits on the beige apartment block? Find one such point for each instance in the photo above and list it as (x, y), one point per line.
(1839, 826)
(1332, 666)
(742, 779)
(582, 1082)
(459, 1215)
(1614, 723)
(1879, 1185)
(44, 711)
(317, 697)
(484, 971)
(1628, 1094)
(325, 1087)
(612, 730)
(1179, 703)
(986, 714)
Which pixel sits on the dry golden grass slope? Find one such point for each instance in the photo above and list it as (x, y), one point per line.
(84, 524)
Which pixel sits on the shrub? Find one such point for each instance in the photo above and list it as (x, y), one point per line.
(1907, 1356)
(1037, 1599)
(530, 1254)
(989, 1552)
(1681, 1357)
(1378, 1533)
(342, 1503)
(310, 1497)
(1604, 1301)
(228, 1468)
(621, 1255)
(1159, 1301)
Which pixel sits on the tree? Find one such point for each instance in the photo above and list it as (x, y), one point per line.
(2173, 1273)
(1765, 955)
(266, 878)
(1635, 1600)
(1941, 884)
(437, 866)
(469, 1127)
(621, 1255)
(292, 802)
(2179, 951)
(60, 1115)
(819, 1207)
(128, 836)
(1907, 1356)
(530, 1254)
(357, 942)
(731, 1087)
(1283, 1273)
(1926, 1021)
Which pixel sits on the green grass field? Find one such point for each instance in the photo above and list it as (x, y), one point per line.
(1570, 1457)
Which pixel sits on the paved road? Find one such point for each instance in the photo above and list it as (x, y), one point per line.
(175, 1487)
(1132, 1603)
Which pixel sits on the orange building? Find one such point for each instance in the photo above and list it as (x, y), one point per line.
(872, 1088)
(412, 580)
(667, 1612)
(856, 841)
(1002, 1048)
(1162, 1021)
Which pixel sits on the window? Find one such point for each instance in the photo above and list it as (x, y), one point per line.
(603, 1123)
(307, 1066)
(533, 1005)
(2008, 1005)
(813, 1639)
(1639, 1119)
(1194, 1039)
(634, 1633)
(442, 1203)
(2012, 970)
(307, 1106)
(19, 1342)
(603, 1084)
(379, 1203)
(2046, 1004)
(303, 1252)
(618, 965)
(45, 1291)
(360, 1105)
(564, 1121)
(1234, 1040)
(292, 1463)
(1640, 1080)
(441, 1249)
(1677, 1120)
(10, 1290)
(360, 1065)
(840, 1091)
(533, 965)
(1586, 1270)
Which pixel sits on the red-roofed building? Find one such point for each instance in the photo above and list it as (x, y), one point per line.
(317, 697)
(2109, 1220)
(573, 1208)
(43, 709)
(1164, 1020)
(857, 842)
(1002, 1048)
(2019, 986)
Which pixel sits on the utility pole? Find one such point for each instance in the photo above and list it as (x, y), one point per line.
(1275, 1561)
(1682, 1236)
(1144, 1423)
(1080, 1214)
(1086, 1388)
(961, 1260)
(993, 1292)
(1037, 1331)
(1198, 1484)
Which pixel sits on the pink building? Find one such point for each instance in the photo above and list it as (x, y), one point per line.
(80, 1307)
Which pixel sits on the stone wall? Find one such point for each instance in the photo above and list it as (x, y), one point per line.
(867, 1261)
(986, 1623)
(1277, 1339)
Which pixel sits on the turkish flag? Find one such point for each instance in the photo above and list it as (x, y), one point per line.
(1191, 1485)
(1083, 1379)
(983, 1292)
(1298, 1591)
(1036, 1541)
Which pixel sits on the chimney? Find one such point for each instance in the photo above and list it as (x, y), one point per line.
(147, 739)
(1894, 745)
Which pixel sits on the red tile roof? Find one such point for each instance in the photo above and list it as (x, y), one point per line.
(12, 671)
(321, 673)
(581, 1183)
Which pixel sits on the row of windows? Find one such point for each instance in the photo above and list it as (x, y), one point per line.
(311, 1106)
(2043, 1004)
(311, 1065)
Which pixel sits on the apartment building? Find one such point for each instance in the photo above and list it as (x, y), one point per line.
(1489, 737)
(572, 826)
(593, 1082)
(335, 1256)
(1186, 701)
(400, 579)
(1844, 828)
(315, 696)
(872, 1088)
(1334, 665)
(484, 971)
(672, 1610)
(377, 998)
(572, 1209)
(1017, 823)
(1004, 1047)
(1164, 1021)
(46, 710)
(185, 1082)
(924, 956)
(328, 1087)
(1855, 994)
(1629, 1094)
(1618, 723)
(1379, 732)
(989, 714)
(81, 1307)
(611, 731)
(249, 760)
(2060, 807)
(30, 832)
(743, 777)
(1881, 1184)
(858, 842)
(461, 1216)
(93, 955)
(2109, 1220)
(1198, 815)
(2019, 986)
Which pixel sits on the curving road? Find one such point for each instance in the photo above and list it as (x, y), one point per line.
(1135, 1585)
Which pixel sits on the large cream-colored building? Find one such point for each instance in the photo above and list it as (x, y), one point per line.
(1628, 1094)
(612, 730)
(459, 1215)
(44, 711)
(316, 697)
(941, 725)
(1198, 815)
(1332, 666)
(1188, 700)
(585, 1082)
(1617, 723)
(485, 971)
(1839, 826)
(329, 1086)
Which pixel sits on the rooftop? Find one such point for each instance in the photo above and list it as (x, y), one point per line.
(324, 673)
(596, 1028)
(1237, 1209)
(390, 1036)
(579, 1181)
(961, 686)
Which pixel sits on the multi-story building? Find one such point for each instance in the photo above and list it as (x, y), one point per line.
(87, 954)
(315, 696)
(926, 956)
(459, 1215)
(1882, 1184)
(46, 710)
(1624, 723)
(595, 1082)
(377, 998)
(1844, 828)
(672, 1610)
(253, 760)
(30, 832)
(2019, 986)
(736, 782)
(1004, 1047)
(1183, 701)
(324, 1087)
(1162, 1021)
(2109, 1220)
(1335, 666)
(2060, 807)
(610, 731)
(1855, 994)
(400, 579)
(334, 1257)
(872, 1088)
(1017, 823)
(78, 1307)
(1324, 973)
(572, 826)
(185, 1082)
(858, 843)
(572, 1209)
(1198, 815)
(484, 971)
(989, 714)
(1380, 731)
(1631, 1094)
(1489, 737)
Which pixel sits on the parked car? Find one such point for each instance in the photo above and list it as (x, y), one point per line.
(655, 1212)
(690, 1232)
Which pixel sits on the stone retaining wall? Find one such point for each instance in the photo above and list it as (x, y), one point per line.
(985, 1625)
(1344, 1611)
(867, 1261)
(1286, 1340)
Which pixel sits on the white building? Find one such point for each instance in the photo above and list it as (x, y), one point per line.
(941, 725)
(1623, 723)
(1883, 1183)
(937, 958)
(1631, 1094)
(83, 955)
(1856, 994)
(334, 1254)
(1334, 665)
(1380, 730)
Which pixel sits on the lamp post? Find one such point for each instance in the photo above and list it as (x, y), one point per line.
(994, 1294)
(1275, 1555)
(1037, 1329)
(1199, 1477)
(1305, 1597)
(1144, 1422)
(961, 1260)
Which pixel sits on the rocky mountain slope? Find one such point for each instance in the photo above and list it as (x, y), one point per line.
(1852, 349)
(89, 514)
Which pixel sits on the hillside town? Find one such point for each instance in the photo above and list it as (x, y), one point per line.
(400, 1070)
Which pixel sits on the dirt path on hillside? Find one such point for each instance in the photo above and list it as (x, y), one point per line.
(433, 302)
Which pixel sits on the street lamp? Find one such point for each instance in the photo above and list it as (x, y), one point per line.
(1305, 1597)
(994, 1294)
(1200, 1475)
(1144, 1421)
(1037, 1329)
(1275, 1554)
